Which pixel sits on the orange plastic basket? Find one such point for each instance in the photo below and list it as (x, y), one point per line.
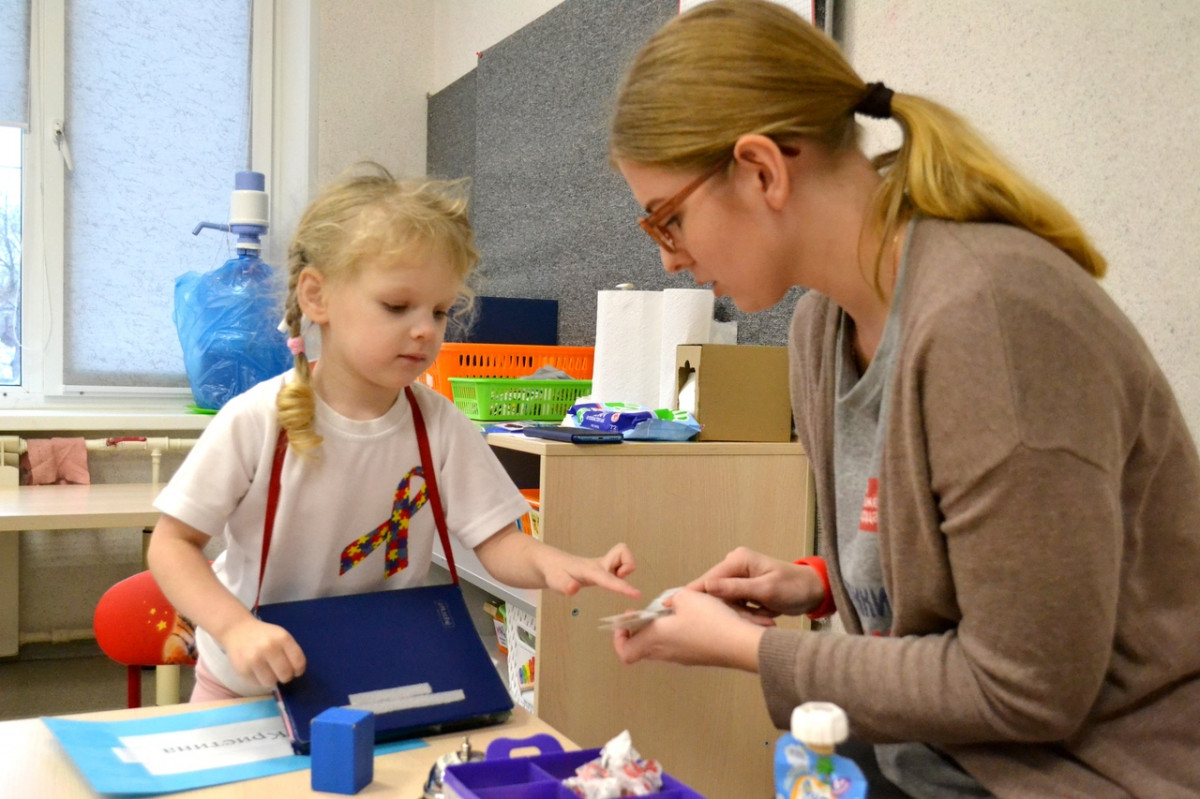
(504, 360)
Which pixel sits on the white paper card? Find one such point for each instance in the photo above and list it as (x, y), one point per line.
(209, 747)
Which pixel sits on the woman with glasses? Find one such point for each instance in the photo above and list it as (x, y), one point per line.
(1009, 495)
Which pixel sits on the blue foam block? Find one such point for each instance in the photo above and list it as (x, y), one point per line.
(343, 750)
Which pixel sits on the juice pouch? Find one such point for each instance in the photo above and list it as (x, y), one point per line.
(805, 764)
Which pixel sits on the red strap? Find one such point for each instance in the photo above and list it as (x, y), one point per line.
(281, 445)
(435, 499)
(827, 606)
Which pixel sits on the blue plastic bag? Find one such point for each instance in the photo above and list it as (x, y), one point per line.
(227, 323)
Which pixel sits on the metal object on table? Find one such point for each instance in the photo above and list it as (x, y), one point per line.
(433, 785)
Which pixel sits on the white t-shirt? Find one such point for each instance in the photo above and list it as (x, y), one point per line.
(337, 511)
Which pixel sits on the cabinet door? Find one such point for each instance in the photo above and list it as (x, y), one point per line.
(680, 514)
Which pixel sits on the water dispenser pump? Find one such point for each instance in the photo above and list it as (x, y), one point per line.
(248, 206)
(227, 318)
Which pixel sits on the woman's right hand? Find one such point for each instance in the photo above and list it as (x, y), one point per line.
(762, 586)
(262, 652)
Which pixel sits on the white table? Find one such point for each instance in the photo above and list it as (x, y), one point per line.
(68, 507)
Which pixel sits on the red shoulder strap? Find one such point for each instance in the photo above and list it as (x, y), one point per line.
(281, 444)
(435, 498)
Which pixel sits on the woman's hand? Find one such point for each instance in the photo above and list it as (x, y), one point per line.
(702, 631)
(262, 652)
(762, 586)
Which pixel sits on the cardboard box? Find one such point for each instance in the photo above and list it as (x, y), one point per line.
(737, 392)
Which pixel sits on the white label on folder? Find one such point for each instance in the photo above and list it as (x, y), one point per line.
(367, 697)
(404, 697)
(209, 747)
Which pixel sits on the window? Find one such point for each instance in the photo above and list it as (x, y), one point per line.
(140, 115)
(14, 106)
(10, 254)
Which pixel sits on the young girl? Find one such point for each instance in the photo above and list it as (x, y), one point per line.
(377, 265)
(1007, 488)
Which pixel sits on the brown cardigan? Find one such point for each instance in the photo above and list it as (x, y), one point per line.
(1040, 531)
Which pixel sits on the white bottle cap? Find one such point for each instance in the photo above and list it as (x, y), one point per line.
(820, 724)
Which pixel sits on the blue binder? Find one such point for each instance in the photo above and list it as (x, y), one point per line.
(412, 656)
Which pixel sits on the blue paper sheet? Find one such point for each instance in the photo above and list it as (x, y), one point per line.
(97, 749)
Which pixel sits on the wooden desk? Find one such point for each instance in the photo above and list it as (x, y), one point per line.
(34, 764)
(78, 507)
(680, 507)
(61, 507)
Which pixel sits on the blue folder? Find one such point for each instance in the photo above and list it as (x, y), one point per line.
(510, 320)
(412, 656)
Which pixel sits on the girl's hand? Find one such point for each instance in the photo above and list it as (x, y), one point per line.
(519, 560)
(703, 631)
(568, 573)
(265, 653)
(761, 585)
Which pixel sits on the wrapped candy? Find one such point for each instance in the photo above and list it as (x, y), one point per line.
(619, 771)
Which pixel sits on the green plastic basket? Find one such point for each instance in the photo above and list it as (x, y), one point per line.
(494, 399)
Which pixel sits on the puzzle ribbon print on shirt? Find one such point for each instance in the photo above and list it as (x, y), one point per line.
(394, 529)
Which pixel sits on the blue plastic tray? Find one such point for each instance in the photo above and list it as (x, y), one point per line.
(500, 776)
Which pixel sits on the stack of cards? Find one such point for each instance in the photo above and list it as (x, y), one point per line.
(634, 620)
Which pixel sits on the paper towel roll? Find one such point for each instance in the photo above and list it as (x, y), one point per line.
(628, 346)
(636, 336)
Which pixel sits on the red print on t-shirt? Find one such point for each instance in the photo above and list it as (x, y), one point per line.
(868, 521)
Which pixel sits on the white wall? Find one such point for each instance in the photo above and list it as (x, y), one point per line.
(463, 28)
(380, 59)
(374, 69)
(1098, 103)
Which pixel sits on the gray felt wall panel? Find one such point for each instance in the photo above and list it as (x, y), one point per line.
(450, 151)
(553, 220)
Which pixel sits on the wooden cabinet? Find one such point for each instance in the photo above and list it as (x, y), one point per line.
(681, 508)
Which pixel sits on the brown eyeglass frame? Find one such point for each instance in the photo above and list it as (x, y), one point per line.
(652, 222)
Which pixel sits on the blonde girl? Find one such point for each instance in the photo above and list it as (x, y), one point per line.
(377, 265)
(1008, 492)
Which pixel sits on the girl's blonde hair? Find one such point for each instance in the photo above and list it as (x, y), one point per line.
(354, 219)
(728, 68)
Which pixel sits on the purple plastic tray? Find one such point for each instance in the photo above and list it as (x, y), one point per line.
(538, 777)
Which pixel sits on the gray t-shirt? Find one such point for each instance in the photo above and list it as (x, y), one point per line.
(860, 418)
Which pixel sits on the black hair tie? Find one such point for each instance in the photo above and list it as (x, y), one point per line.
(876, 103)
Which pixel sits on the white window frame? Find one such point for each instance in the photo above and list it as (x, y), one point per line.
(282, 145)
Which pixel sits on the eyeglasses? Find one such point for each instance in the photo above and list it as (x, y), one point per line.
(655, 223)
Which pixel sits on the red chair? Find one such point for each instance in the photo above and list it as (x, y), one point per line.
(136, 626)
